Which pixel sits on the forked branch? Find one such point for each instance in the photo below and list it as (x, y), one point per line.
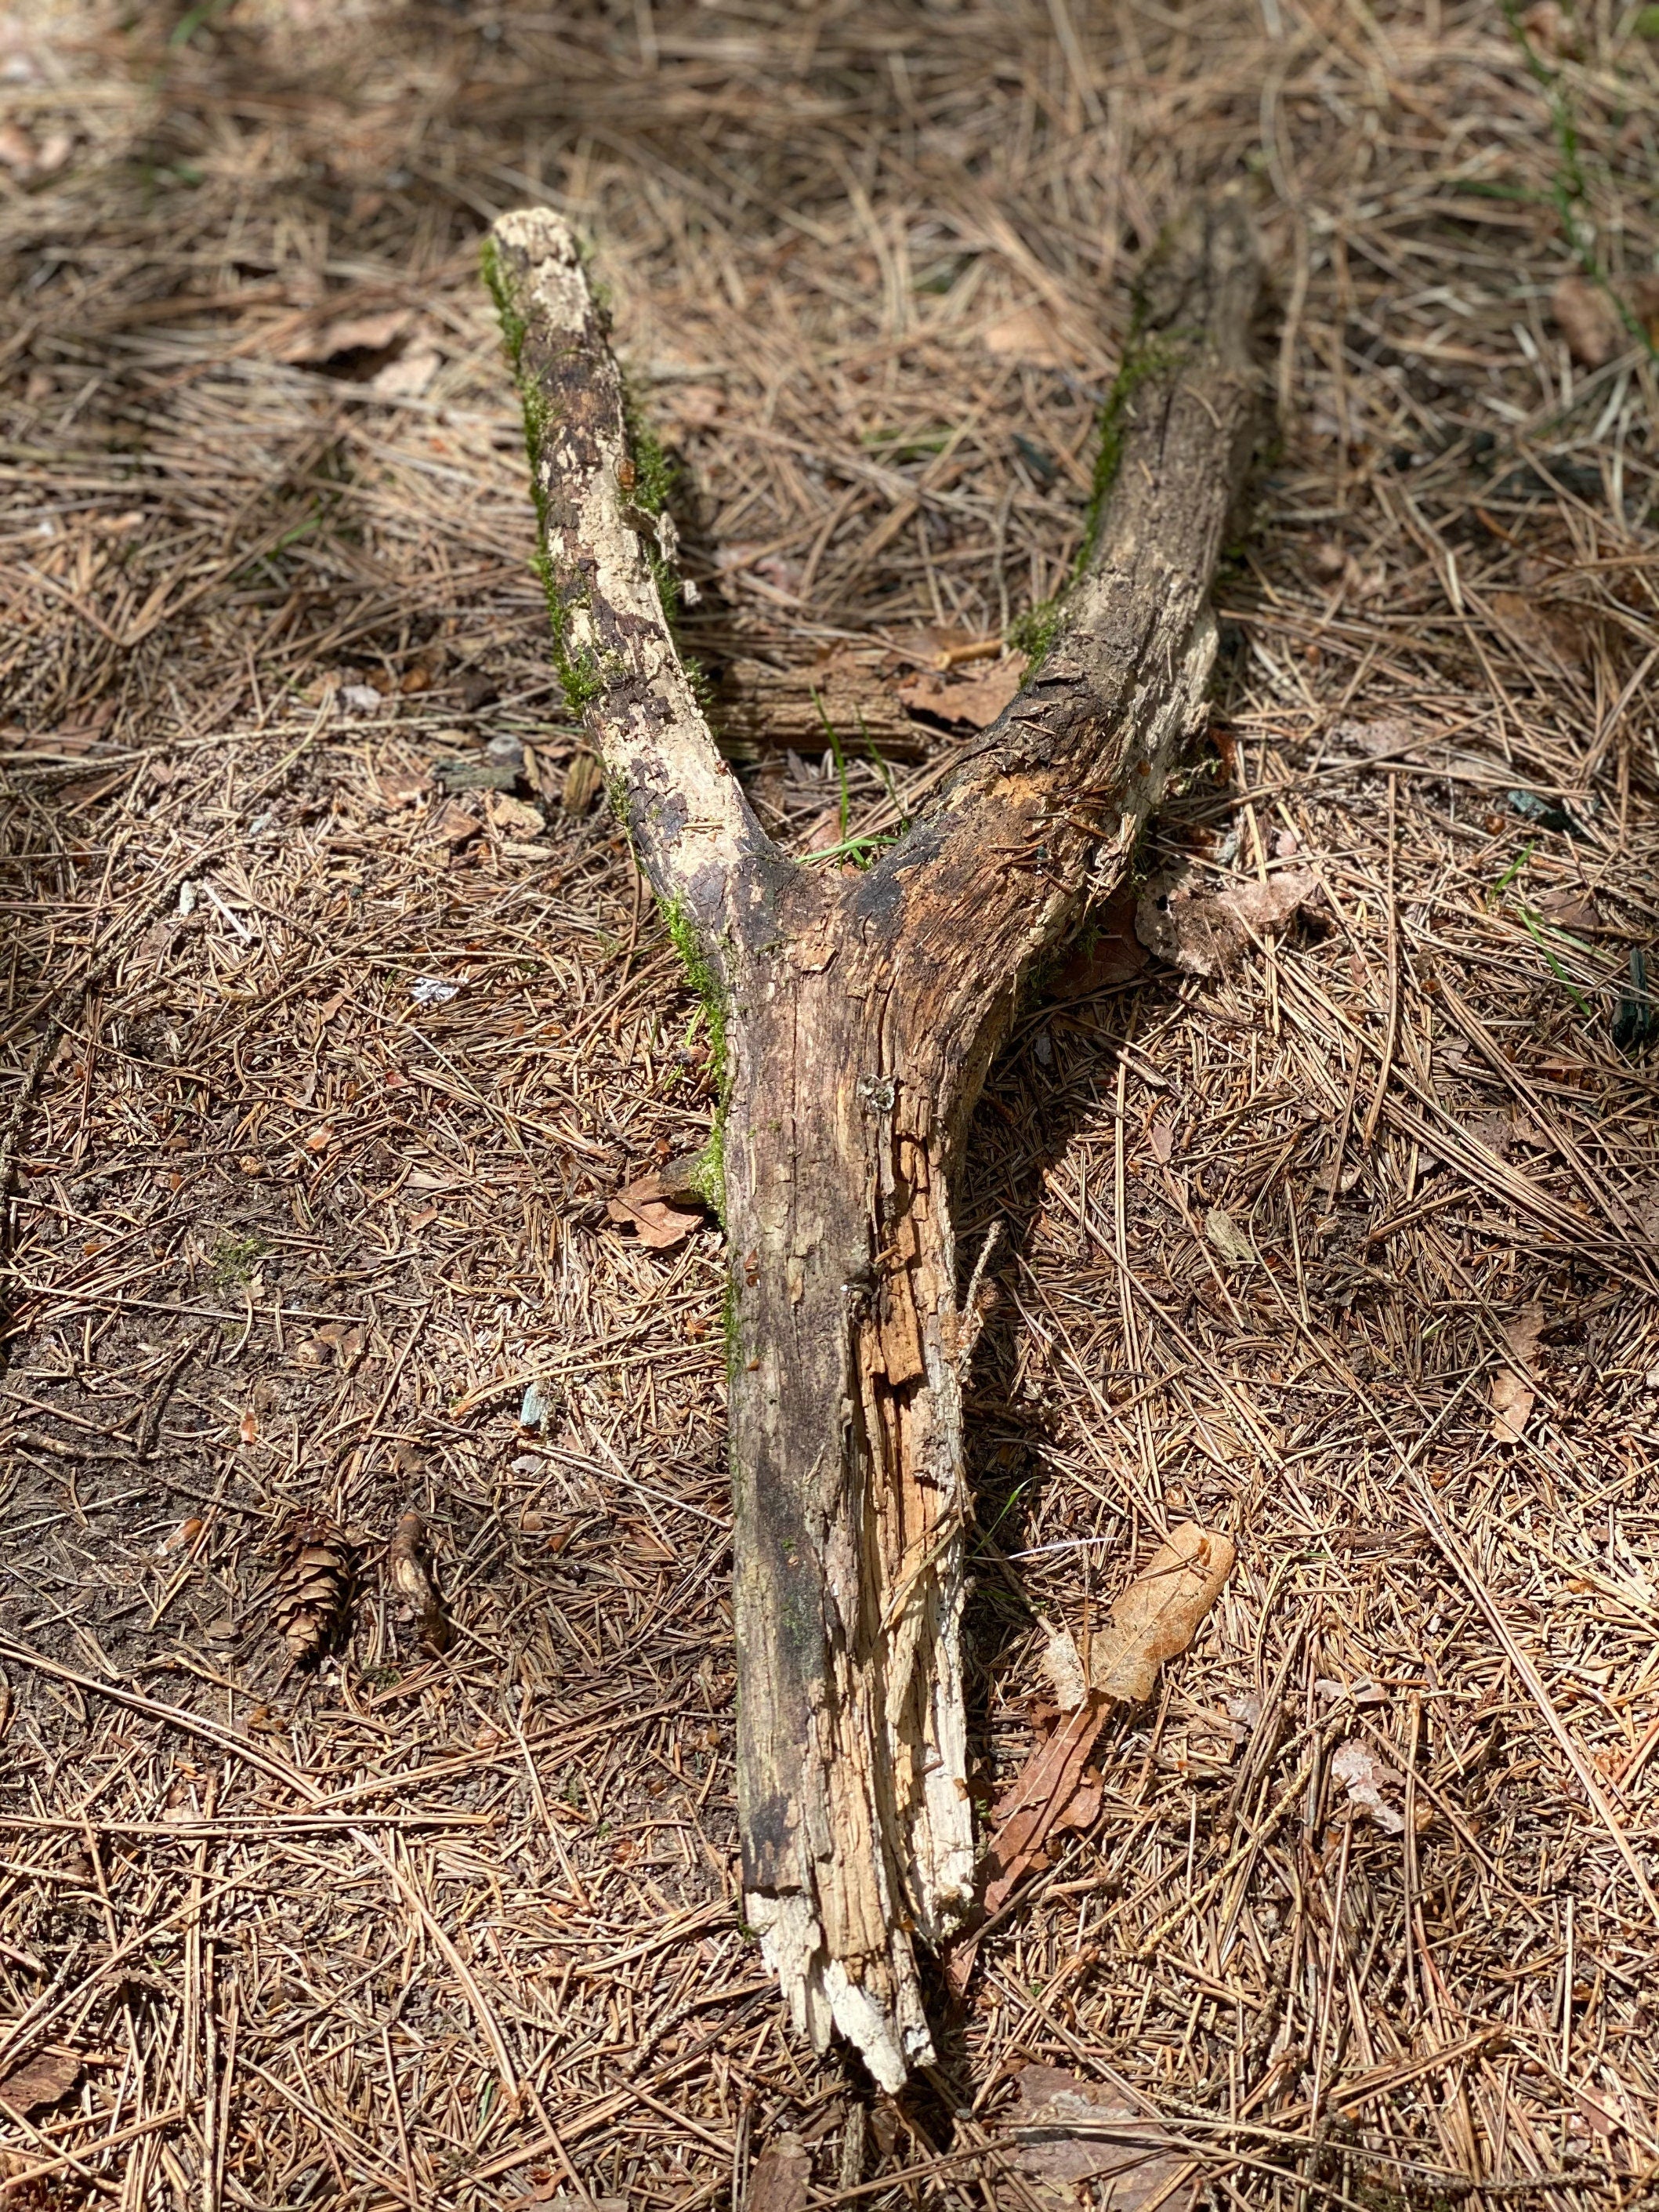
(861, 1012)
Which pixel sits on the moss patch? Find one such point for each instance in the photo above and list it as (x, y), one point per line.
(234, 1260)
(686, 940)
(1036, 630)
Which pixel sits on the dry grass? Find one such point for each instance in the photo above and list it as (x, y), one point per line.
(462, 1931)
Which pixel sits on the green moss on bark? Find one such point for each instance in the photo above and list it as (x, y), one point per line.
(1034, 631)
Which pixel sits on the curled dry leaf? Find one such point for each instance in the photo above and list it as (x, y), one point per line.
(659, 1205)
(1154, 1619)
(1071, 2132)
(409, 1569)
(1160, 1612)
(1205, 932)
(1365, 1777)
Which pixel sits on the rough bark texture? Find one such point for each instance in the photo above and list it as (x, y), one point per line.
(859, 1014)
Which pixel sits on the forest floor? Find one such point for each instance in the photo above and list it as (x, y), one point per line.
(335, 1016)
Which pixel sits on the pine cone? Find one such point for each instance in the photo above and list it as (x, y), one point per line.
(311, 1597)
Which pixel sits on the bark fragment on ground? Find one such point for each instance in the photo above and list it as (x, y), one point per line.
(857, 1014)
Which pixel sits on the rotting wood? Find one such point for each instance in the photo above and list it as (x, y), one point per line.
(855, 1015)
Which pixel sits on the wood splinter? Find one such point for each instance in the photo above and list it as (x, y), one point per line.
(856, 1016)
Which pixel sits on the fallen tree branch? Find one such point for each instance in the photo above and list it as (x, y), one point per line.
(856, 1016)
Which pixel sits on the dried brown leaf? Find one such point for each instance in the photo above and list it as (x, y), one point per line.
(1039, 1797)
(42, 2080)
(1071, 2132)
(1205, 932)
(660, 1214)
(781, 2179)
(1586, 319)
(348, 334)
(1110, 954)
(1027, 334)
(1365, 1777)
(1160, 1612)
(1156, 1617)
(973, 702)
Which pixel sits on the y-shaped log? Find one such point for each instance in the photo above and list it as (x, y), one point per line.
(857, 1016)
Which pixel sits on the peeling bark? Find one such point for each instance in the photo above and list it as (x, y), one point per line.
(859, 1014)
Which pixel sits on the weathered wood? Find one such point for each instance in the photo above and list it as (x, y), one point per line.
(764, 709)
(859, 1014)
